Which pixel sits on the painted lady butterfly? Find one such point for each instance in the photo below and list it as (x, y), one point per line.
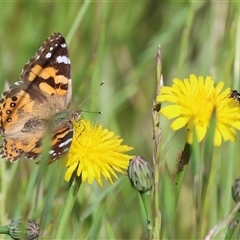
(40, 99)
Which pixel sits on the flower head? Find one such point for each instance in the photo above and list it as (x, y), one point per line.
(140, 174)
(236, 190)
(194, 101)
(31, 229)
(96, 151)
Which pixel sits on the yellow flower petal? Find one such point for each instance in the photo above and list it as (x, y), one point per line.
(193, 101)
(95, 152)
(200, 131)
(179, 123)
(171, 111)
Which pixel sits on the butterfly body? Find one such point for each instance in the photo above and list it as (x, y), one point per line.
(39, 101)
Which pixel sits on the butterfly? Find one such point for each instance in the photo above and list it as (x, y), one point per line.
(40, 99)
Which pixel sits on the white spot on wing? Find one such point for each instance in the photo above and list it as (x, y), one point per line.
(17, 83)
(63, 59)
(48, 55)
(66, 149)
(65, 143)
(64, 45)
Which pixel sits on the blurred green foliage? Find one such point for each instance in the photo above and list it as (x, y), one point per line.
(116, 42)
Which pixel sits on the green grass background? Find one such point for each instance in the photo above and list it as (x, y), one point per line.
(116, 42)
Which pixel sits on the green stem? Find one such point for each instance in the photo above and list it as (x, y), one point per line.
(77, 20)
(181, 171)
(4, 230)
(146, 199)
(3, 190)
(75, 184)
(232, 226)
(157, 140)
(215, 232)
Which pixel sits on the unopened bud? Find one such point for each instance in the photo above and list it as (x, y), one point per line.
(140, 174)
(236, 190)
(30, 227)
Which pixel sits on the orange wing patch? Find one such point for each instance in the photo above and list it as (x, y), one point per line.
(12, 150)
(14, 110)
(46, 73)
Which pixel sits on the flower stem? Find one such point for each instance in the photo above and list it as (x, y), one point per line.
(182, 160)
(232, 226)
(74, 186)
(146, 199)
(4, 230)
(82, 11)
(157, 136)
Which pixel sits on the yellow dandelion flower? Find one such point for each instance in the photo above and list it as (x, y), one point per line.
(194, 101)
(96, 151)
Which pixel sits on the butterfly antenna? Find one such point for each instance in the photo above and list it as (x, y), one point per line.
(90, 96)
(100, 112)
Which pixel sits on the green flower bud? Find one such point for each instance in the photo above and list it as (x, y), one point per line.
(236, 190)
(140, 174)
(30, 227)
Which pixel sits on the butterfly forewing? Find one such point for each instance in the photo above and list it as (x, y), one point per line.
(27, 108)
(49, 69)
